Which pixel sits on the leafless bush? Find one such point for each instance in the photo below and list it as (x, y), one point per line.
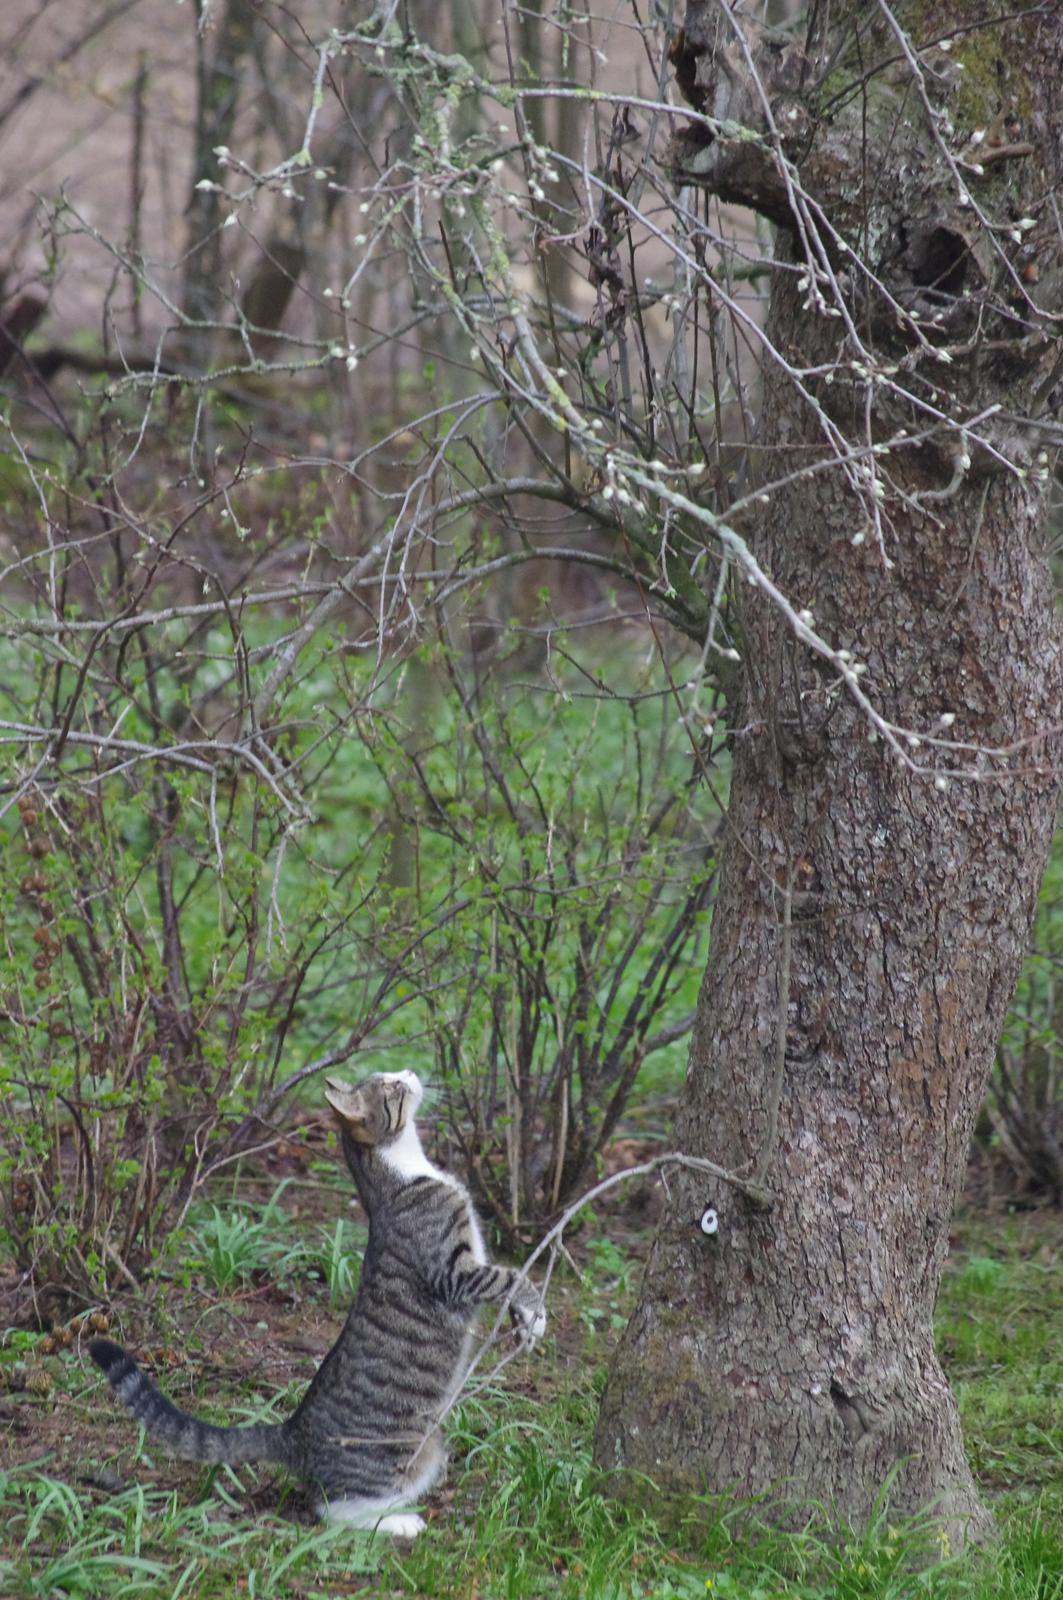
(582, 850)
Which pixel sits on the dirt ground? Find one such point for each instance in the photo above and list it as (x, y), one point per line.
(208, 1349)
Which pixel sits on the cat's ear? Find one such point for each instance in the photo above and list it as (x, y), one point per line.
(350, 1110)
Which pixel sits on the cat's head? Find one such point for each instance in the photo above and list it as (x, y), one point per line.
(377, 1110)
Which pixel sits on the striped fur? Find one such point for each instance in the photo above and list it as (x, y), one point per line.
(183, 1436)
(366, 1434)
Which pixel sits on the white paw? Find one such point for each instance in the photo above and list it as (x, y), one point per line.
(402, 1524)
(372, 1517)
(530, 1323)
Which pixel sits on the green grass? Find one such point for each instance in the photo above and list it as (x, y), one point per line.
(1000, 1331)
(528, 1521)
(522, 1515)
(247, 1241)
(154, 1543)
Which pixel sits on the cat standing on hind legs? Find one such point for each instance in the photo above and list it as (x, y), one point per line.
(366, 1435)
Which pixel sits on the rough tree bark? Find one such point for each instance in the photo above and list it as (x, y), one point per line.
(792, 1351)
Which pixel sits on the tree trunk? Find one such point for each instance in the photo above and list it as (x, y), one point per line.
(221, 46)
(792, 1351)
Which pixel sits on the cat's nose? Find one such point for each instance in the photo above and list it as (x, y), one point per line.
(412, 1081)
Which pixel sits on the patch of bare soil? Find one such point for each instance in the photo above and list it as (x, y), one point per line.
(237, 1351)
(57, 1414)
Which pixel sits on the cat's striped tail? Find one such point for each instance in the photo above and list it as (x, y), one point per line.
(182, 1435)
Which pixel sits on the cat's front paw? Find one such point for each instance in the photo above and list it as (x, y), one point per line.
(530, 1323)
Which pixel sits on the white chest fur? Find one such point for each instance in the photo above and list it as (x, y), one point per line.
(406, 1158)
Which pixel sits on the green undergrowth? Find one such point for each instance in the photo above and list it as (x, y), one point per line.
(549, 929)
(89, 1511)
(246, 1241)
(1000, 1333)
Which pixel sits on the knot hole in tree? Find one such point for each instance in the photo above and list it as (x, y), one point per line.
(940, 259)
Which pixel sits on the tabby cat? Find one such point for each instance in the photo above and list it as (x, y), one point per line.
(366, 1434)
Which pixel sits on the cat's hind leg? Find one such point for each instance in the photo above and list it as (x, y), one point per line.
(385, 1512)
(377, 1516)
